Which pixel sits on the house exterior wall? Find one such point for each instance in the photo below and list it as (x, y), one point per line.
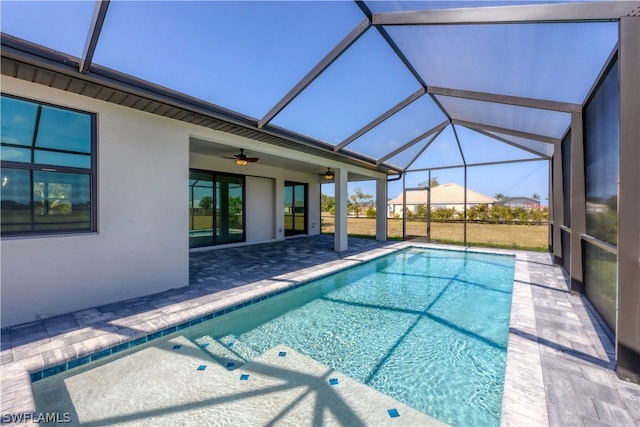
(141, 246)
(261, 211)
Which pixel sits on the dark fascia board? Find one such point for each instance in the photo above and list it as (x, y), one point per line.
(48, 59)
(39, 56)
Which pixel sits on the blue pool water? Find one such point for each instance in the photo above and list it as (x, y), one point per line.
(427, 327)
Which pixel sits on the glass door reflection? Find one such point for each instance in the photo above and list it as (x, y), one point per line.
(215, 217)
(295, 208)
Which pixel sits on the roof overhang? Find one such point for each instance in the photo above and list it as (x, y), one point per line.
(34, 63)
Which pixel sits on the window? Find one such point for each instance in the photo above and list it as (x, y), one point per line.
(216, 208)
(47, 169)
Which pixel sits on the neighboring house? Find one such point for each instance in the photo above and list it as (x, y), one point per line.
(519, 202)
(442, 196)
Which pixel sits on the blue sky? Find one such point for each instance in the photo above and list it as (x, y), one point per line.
(245, 56)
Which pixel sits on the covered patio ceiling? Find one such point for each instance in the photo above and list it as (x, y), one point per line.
(392, 86)
(227, 152)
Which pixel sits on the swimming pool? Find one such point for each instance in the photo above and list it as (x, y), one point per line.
(425, 326)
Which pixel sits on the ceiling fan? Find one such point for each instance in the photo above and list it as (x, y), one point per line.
(242, 159)
(328, 175)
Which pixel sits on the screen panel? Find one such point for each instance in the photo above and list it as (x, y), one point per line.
(602, 158)
(552, 61)
(244, 56)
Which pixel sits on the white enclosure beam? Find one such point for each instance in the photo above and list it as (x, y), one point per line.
(335, 53)
(381, 209)
(95, 27)
(532, 13)
(543, 104)
(340, 234)
(490, 128)
(470, 165)
(384, 116)
(513, 144)
(557, 206)
(414, 141)
(578, 204)
(422, 150)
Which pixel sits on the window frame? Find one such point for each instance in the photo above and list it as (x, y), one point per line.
(32, 167)
(215, 241)
(293, 232)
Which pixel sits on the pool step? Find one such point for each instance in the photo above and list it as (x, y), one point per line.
(239, 347)
(220, 353)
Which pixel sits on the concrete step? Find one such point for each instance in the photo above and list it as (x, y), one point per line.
(220, 353)
(239, 347)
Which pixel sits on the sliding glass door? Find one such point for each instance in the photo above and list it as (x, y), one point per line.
(295, 208)
(216, 208)
(229, 209)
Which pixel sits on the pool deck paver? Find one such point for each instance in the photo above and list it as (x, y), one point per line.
(559, 364)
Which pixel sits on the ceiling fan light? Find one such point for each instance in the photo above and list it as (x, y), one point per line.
(241, 162)
(328, 174)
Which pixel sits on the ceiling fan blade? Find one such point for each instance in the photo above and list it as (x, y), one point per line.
(252, 159)
(230, 158)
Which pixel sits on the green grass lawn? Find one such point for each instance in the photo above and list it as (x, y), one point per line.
(529, 237)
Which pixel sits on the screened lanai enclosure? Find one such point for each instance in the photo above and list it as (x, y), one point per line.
(398, 89)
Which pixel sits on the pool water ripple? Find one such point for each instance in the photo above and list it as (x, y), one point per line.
(426, 327)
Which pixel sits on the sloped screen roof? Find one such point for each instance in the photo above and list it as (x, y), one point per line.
(389, 81)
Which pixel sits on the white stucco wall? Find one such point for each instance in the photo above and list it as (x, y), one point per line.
(141, 246)
(260, 209)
